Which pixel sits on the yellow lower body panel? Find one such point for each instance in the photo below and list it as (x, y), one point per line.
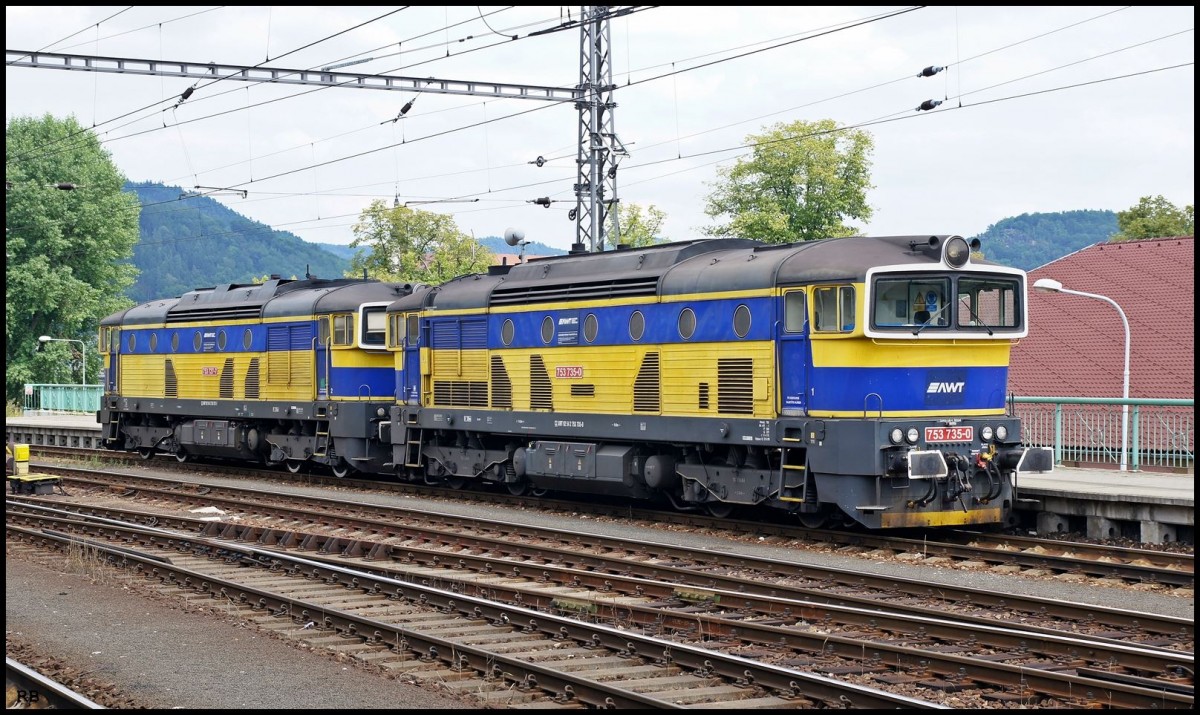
(952, 517)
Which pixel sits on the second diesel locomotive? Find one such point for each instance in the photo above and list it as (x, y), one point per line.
(289, 372)
(845, 380)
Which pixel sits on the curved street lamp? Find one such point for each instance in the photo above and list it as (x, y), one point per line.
(82, 346)
(1049, 285)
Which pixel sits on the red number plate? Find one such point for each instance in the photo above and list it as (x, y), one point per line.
(949, 434)
(569, 372)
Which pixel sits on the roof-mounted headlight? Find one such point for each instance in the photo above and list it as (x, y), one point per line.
(957, 252)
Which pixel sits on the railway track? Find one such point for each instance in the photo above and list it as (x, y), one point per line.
(504, 654)
(680, 599)
(28, 689)
(1021, 554)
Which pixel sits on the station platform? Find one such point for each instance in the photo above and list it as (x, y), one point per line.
(1151, 507)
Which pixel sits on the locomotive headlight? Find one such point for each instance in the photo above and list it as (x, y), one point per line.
(957, 252)
(897, 435)
(986, 433)
(912, 435)
(1001, 433)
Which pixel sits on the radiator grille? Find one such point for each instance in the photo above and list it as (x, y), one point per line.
(170, 382)
(227, 379)
(735, 385)
(541, 394)
(583, 390)
(703, 401)
(501, 384)
(252, 380)
(647, 387)
(460, 393)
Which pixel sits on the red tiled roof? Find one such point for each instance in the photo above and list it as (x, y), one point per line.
(1076, 345)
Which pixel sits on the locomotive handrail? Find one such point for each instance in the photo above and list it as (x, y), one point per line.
(868, 397)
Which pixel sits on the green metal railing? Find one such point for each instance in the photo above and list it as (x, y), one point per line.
(1087, 430)
(62, 398)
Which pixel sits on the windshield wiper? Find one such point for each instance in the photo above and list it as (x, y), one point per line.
(931, 318)
(979, 320)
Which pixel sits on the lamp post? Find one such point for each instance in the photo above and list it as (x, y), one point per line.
(1049, 285)
(82, 346)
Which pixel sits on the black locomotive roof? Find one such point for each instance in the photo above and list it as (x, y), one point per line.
(687, 267)
(271, 299)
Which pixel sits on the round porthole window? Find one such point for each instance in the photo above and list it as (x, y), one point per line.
(174, 342)
(741, 321)
(153, 342)
(247, 339)
(637, 325)
(591, 326)
(196, 341)
(131, 342)
(221, 340)
(547, 329)
(687, 323)
(507, 332)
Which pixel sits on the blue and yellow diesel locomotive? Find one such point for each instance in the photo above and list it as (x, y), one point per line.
(844, 380)
(285, 371)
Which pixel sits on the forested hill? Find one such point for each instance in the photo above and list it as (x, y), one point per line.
(1031, 240)
(197, 242)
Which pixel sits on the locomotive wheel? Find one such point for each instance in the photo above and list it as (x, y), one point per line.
(718, 509)
(518, 488)
(341, 469)
(294, 465)
(181, 456)
(813, 521)
(146, 452)
(456, 482)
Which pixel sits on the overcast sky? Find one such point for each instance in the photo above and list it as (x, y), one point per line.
(1044, 108)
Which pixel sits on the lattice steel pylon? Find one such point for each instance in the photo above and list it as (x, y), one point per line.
(599, 147)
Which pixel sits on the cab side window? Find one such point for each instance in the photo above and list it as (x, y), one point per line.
(833, 309)
(343, 330)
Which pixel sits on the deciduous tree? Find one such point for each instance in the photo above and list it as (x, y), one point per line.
(1155, 218)
(638, 227)
(69, 232)
(408, 245)
(802, 181)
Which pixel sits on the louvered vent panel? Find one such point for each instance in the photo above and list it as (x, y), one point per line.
(300, 370)
(735, 386)
(170, 382)
(501, 385)
(703, 401)
(647, 387)
(541, 394)
(227, 379)
(252, 380)
(460, 393)
(583, 390)
(278, 357)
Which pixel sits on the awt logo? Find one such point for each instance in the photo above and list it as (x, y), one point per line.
(948, 388)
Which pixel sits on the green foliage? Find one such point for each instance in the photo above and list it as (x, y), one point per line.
(1031, 240)
(197, 242)
(637, 228)
(408, 245)
(1155, 218)
(803, 181)
(66, 250)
